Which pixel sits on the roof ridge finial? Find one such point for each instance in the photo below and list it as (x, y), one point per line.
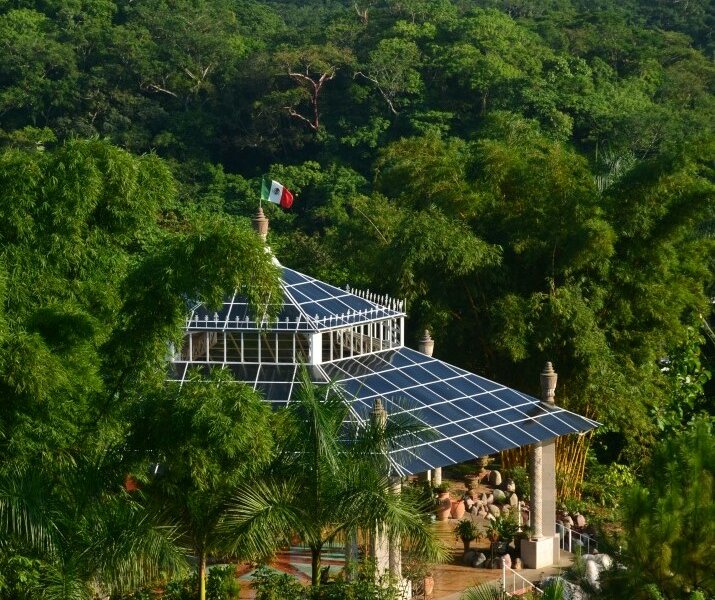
(260, 224)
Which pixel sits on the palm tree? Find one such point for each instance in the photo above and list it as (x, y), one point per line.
(330, 477)
(84, 537)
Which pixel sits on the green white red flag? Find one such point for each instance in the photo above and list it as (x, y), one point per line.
(277, 193)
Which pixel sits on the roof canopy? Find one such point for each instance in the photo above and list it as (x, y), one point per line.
(307, 304)
(464, 415)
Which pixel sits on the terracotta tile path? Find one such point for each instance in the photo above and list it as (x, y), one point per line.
(450, 579)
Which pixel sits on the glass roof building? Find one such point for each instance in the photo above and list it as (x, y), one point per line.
(356, 340)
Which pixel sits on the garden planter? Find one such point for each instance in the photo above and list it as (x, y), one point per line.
(471, 481)
(457, 509)
(444, 506)
(429, 586)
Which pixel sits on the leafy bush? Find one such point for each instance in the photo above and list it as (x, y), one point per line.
(520, 475)
(221, 584)
(271, 585)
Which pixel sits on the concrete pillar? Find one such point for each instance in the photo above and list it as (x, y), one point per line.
(396, 543)
(536, 475)
(380, 539)
(426, 343)
(437, 476)
(549, 378)
(543, 548)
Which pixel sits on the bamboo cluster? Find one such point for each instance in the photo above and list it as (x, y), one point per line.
(571, 451)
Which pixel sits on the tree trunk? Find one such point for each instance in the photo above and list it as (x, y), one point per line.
(202, 575)
(315, 565)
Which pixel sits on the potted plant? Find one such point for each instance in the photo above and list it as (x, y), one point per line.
(444, 503)
(467, 531)
(501, 532)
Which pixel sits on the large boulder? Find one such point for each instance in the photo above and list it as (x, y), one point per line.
(513, 500)
(499, 496)
(494, 510)
(593, 570)
(495, 478)
(580, 520)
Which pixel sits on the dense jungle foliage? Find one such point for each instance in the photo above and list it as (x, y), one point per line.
(534, 177)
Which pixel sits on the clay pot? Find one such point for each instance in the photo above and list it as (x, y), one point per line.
(429, 586)
(444, 507)
(458, 509)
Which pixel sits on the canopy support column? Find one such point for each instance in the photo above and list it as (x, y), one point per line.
(543, 548)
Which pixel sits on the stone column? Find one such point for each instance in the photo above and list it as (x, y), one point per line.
(426, 346)
(542, 549)
(380, 539)
(537, 485)
(437, 476)
(395, 543)
(549, 378)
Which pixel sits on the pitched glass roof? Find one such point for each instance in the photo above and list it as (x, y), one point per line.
(307, 305)
(465, 415)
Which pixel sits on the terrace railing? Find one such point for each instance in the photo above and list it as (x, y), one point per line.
(514, 584)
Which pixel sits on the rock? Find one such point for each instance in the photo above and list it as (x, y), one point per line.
(479, 560)
(513, 500)
(593, 571)
(495, 478)
(469, 557)
(605, 560)
(506, 560)
(568, 521)
(510, 485)
(580, 520)
(494, 510)
(489, 499)
(517, 564)
(499, 495)
(505, 510)
(482, 511)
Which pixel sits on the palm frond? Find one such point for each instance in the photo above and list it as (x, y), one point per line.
(261, 517)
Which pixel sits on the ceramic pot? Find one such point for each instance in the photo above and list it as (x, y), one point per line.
(457, 509)
(444, 506)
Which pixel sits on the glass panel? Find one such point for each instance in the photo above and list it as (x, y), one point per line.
(216, 346)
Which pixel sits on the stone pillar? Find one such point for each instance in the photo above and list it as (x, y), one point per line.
(260, 224)
(536, 502)
(549, 378)
(380, 539)
(396, 543)
(426, 346)
(542, 549)
(426, 343)
(437, 476)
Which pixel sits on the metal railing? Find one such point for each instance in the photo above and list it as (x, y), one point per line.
(513, 583)
(570, 540)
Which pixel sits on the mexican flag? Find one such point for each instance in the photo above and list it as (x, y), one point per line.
(276, 193)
